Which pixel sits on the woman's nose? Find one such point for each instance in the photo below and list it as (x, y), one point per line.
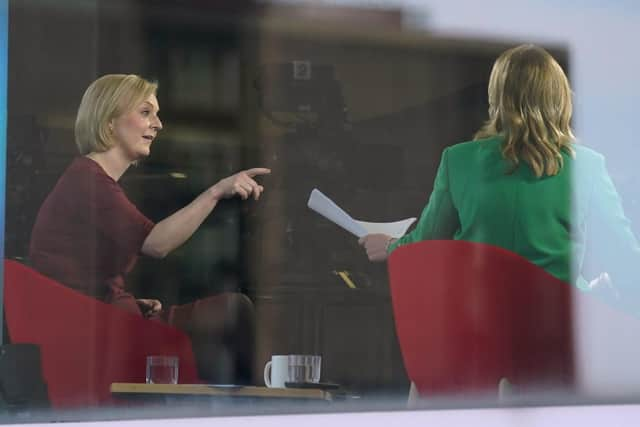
(157, 125)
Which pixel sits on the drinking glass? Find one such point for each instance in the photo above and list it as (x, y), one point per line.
(162, 370)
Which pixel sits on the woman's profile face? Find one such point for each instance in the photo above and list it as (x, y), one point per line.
(135, 130)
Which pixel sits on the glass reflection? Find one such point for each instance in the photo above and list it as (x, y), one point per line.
(346, 98)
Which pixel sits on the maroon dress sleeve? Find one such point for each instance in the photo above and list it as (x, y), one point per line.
(119, 221)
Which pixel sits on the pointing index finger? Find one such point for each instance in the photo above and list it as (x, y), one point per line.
(257, 171)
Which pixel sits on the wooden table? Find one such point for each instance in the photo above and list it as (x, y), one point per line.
(124, 390)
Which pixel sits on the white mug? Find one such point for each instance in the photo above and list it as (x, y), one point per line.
(276, 371)
(293, 368)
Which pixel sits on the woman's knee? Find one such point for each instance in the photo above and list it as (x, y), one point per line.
(240, 306)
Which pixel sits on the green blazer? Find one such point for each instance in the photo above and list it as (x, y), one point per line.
(551, 221)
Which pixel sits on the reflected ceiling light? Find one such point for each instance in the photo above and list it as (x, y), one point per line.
(178, 175)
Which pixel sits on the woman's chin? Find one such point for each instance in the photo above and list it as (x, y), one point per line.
(143, 154)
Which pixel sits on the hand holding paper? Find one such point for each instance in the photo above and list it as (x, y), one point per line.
(327, 208)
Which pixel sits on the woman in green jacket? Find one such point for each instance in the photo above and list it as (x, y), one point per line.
(522, 184)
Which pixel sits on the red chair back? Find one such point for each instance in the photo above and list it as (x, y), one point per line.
(85, 344)
(468, 314)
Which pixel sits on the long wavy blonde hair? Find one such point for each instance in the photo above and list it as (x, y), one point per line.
(530, 106)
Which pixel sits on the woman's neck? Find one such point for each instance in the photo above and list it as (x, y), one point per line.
(113, 163)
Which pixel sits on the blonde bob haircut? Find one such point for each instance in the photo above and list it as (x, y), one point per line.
(105, 99)
(530, 106)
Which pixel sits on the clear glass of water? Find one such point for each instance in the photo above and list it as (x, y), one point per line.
(162, 370)
(304, 368)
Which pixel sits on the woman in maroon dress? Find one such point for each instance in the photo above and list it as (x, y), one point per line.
(88, 235)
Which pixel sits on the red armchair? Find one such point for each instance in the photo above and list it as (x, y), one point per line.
(469, 314)
(85, 344)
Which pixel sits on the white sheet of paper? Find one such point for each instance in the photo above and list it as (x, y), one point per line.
(328, 209)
